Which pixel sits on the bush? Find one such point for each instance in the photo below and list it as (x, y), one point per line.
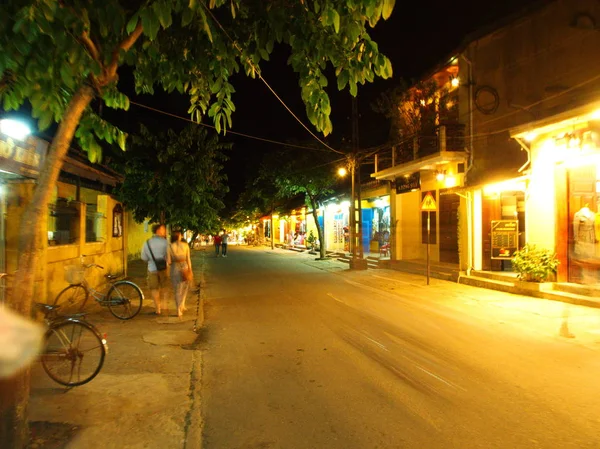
(534, 264)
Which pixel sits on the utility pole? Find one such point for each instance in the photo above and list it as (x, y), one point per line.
(356, 200)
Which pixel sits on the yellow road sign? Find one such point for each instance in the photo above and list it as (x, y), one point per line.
(428, 203)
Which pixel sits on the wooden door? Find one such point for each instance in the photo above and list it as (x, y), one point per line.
(490, 210)
(582, 192)
(448, 210)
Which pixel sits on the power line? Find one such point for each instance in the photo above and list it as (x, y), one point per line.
(262, 139)
(257, 70)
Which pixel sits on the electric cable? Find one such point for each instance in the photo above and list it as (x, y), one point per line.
(258, 72)
(262, 139)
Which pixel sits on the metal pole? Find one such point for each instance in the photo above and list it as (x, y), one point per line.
(359, 227)
(352, 214)
(428, 241)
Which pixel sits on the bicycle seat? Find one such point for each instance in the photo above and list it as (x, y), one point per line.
(46, 308)
(111, 276)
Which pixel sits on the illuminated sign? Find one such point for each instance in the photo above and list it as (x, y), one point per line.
(408, 183)
(23, 158)
(505, 239)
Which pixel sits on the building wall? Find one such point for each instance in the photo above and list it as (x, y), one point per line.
(50, 279)
(538, 65)
(137, 234)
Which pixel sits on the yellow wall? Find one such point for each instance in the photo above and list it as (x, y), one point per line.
(407, 209)
(137, 234)
(50, 279)
(108, 253)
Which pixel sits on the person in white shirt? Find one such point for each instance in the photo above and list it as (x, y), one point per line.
(155, 253)
(224, 240)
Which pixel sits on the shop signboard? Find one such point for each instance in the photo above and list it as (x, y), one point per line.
(505, 239)
(22, 157)
(408, 183)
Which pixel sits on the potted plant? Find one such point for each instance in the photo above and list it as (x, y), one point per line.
(534, 264)
(311, 240)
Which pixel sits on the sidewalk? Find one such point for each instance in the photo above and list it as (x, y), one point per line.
(144, 395)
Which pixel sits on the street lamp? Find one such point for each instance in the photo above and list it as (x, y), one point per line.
(14, 128)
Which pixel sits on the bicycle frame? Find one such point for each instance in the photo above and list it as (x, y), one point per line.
(99, 294)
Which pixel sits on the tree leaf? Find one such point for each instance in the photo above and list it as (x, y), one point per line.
(336, 20)
(132, 23)
(388, 7)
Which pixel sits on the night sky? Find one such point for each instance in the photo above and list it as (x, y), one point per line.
(418, 36)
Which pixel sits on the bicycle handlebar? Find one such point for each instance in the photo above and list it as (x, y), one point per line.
(82, 257)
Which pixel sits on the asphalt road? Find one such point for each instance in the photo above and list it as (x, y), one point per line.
(298, 357)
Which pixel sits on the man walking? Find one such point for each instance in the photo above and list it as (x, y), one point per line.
(224, 240)
(155, 252)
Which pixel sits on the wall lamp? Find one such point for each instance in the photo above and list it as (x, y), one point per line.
(440, 175)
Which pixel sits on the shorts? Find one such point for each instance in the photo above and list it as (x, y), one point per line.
(157, 279)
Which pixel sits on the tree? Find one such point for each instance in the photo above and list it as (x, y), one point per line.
(175, 178)
(63, 58)
(413, 111)
(311, 174)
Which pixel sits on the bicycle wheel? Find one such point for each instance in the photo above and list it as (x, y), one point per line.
(124, 300)
(72, 299)
(74, 352)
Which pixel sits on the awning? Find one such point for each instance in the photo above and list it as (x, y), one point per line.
(424, 163)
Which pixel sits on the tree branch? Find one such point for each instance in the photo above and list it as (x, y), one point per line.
(126, 44)
(90, 47)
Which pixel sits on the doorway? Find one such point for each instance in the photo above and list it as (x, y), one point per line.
(449, 204)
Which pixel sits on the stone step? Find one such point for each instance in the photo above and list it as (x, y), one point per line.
(496, 275)
(571, 298)
(577, 289)
(492, 284)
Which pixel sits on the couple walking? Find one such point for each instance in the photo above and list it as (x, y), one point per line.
(160, 255)
(221, 243)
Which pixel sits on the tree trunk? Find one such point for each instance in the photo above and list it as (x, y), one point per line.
(194, 235)
(320, 233)
(14, 392)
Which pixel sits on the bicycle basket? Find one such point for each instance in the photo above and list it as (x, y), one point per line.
(74, 274)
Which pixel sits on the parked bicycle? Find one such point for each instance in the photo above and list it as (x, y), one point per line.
(123, 298)
(74, 350)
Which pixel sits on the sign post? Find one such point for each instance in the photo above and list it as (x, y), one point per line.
(428, 205)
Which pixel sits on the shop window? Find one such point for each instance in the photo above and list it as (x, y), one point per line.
(63, 222)
(95, 223)
(433, 222)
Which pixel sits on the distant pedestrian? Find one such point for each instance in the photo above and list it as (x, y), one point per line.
(224, 240)
(155, 253)
(181, 270)
(217, 241)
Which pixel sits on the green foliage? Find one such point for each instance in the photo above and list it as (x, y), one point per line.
(413, 109)
(311, 240)
(303, 172)
(178, 174)
(51, 48)
(534, 264)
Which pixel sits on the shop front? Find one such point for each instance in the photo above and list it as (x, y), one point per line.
(336, 226)
(437, 176)
(563, 201)
(376, 225)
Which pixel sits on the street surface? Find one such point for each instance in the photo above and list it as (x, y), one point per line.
(296, 356)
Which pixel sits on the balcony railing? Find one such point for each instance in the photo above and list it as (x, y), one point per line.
(449, 137)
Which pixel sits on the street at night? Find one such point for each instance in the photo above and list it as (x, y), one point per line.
(300, 353)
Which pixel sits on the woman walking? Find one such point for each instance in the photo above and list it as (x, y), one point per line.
(181, 270)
